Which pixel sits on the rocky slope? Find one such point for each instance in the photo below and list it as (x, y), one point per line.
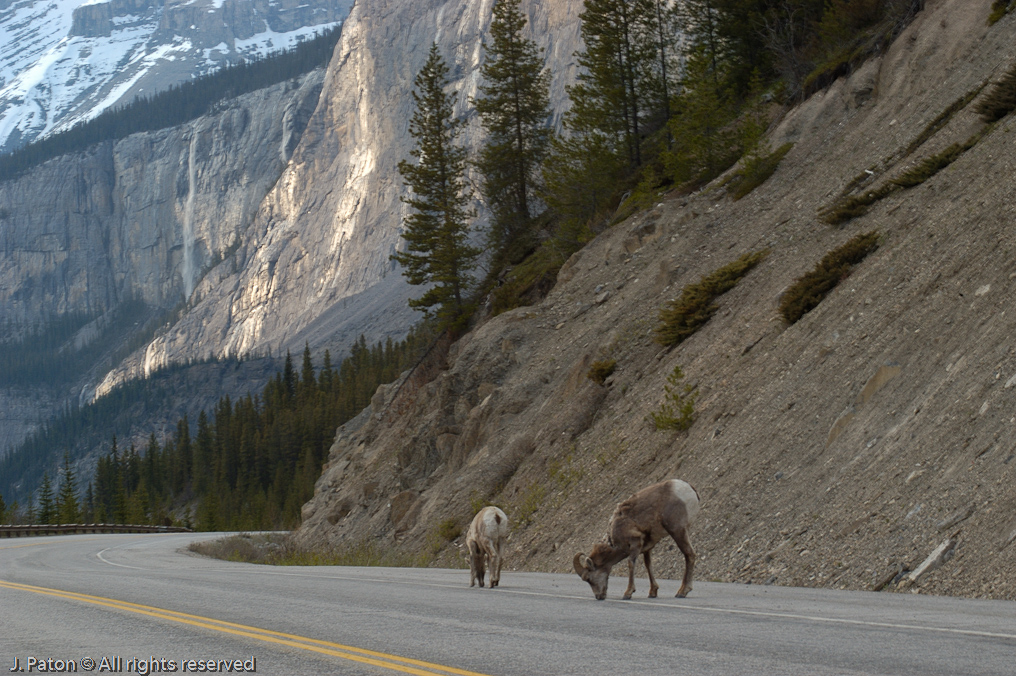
(840, 451)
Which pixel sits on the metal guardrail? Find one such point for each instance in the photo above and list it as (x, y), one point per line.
(70, 528)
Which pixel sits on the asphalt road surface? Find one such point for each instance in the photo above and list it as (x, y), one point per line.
(143, 604)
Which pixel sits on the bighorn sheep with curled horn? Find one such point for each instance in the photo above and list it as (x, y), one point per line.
(637, 525)
(485, 540)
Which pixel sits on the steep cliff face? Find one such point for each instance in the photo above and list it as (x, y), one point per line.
(325, 232)
(839, 451)
(143, 217)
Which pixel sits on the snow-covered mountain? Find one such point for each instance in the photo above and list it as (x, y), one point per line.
(65, 61)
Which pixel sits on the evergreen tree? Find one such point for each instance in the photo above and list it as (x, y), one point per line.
(514, 108)
(3, 510)
(89, 516)
(705, 144)
(620, 91)
(436, 234)
(47, 506)
(68, 509)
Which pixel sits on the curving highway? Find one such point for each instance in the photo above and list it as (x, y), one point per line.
(143, 604)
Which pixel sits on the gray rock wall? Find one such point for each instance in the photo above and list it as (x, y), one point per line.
(325, 233)
(82, 232)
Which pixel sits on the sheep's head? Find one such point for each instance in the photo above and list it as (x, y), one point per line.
(596, 576)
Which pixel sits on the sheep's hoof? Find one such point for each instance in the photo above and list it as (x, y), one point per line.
(626, 597)
(652, 593)
(473, 583)
(493, 584)
(681, 593)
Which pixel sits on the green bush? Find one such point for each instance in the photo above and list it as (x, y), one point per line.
(929, 167)
(1000, 8)
(1001, 100)
(677, 412)
(682, 317)
(449, 529)
(808, 291)
(851, 207)
(753, 174)
(529, 281)
(599, 371)
(847, 208)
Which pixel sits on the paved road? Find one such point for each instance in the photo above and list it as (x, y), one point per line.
(144, 597)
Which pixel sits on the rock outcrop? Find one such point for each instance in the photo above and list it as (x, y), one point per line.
(909, 361)
(82, 232)
(324, 235)
(142, 218)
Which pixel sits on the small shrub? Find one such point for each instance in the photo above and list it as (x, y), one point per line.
(565, 473)
(1000, 8)
(599, 371)
(849, 208)
(477, 502)
(449, 529)
(529, 503)
(682, 317)
(929, 167)
(808, 291)
(1001, 100)
(754, 173)
(529, 281)
(677, 412)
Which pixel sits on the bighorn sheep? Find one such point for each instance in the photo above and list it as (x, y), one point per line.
(637, 525)
(485, 540)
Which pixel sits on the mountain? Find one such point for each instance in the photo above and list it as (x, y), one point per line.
(113, 239)
(67, 61)
(260, 227)
(839, 451)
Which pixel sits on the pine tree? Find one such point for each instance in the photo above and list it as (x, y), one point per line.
(514, 109)
(47, 506)
(89, 504)
(621, 90)
(436, 234)
(3, 510)
(68, 509)
(704, 144)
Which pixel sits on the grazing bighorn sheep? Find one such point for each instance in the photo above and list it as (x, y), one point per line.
(637, 525)
(485, 540)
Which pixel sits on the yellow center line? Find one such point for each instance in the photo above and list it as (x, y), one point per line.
(394, 662)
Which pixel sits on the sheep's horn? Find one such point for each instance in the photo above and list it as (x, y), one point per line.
(580, 563)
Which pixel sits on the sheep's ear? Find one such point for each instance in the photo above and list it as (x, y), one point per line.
(581, 563)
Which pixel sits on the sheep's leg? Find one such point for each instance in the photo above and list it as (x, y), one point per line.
(631, 575)
(689, 562)
(472, 566)
(653, 587)
(495, 566)
(500, 561)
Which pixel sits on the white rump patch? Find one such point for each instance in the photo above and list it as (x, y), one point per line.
(686, 494)
(493, 526)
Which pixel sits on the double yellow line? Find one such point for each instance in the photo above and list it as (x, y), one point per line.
(404, 665)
